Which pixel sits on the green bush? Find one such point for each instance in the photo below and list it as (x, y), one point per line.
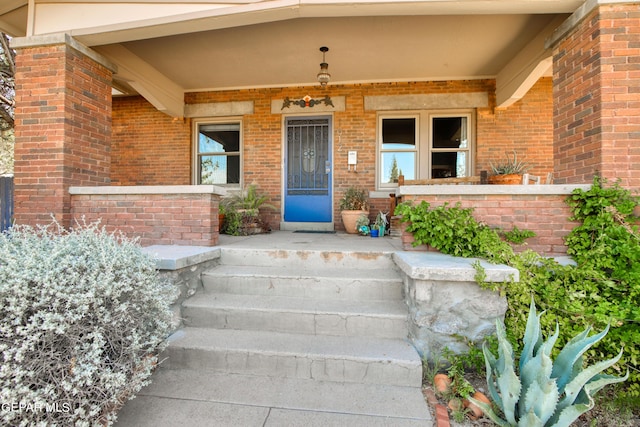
(232, 223)
(517, 236)
(603, 288)
(453, 231)
(83, 315)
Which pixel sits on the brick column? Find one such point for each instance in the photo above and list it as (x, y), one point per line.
(596, 90)
(63, 125)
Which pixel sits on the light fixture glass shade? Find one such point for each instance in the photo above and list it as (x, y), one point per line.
(323, 75)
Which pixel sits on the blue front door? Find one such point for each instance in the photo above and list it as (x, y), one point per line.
(308, 169)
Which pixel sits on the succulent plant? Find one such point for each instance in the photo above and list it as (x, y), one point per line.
(511, 165)
(546, 393)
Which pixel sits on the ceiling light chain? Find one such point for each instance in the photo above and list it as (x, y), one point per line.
(323, 75)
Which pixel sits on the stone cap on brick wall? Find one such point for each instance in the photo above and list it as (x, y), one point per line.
(439, 266)
(465, 189)
(174, 257)
(149, 189)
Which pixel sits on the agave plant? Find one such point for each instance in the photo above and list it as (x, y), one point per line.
(546, 393)
(511, 165)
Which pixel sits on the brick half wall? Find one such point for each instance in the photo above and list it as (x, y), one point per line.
(157, 215)
(539, 208)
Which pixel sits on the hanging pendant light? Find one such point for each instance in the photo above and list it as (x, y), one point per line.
(323, 75)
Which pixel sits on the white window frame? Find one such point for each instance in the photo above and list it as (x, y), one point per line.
(380, 151)
(424, 143)
(469, 149)
(195, 147)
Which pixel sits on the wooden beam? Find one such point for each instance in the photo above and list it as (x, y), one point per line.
(526, 68)
(154, 86)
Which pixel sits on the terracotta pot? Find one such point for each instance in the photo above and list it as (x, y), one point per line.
(455, 404)
(442, 383)
(474, 411)
(509, 179)
(349, 219)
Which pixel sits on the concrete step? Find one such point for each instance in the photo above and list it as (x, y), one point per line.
(313, 259)
(380, 319)
(301, 280)
(206, 399)
(321, 357)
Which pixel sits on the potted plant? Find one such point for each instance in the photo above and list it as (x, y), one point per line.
(242, 212)
(362, 225)
(379, 225)
(354, 203)
(509, 171)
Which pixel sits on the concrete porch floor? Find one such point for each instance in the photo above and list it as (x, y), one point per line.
(291, 240)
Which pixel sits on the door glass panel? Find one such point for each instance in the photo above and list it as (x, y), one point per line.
(307, 156)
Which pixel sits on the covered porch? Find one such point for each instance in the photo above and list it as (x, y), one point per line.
(213, 94)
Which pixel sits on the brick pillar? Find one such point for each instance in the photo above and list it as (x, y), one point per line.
(63, 126)
(596, 90)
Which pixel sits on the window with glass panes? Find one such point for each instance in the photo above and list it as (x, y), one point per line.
(218, 153)
(450, 147)
(424, 145)
(398, 149)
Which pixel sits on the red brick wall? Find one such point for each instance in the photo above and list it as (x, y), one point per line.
(546, 215)
(63, 125)
(597, 97)
(149, 147)
(525, 126)
(157, 219)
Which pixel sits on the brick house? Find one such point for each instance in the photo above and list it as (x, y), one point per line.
(152, 98)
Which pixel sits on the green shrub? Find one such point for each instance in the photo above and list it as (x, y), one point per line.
(606, 241)
(83, 315)
(517, 236)
(577, 297)
(602, 289)
(232, 223)
(453, 231)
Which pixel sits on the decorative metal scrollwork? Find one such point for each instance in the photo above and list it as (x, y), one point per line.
(309, 160)
(307, 101)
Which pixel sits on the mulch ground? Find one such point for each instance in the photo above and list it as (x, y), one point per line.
(602, 415)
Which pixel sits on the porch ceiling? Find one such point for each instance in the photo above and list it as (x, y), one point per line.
(361, 49)
(275, 43)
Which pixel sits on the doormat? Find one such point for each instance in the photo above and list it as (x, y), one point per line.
(316, 231)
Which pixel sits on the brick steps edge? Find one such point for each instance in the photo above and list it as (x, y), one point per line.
(441, 412)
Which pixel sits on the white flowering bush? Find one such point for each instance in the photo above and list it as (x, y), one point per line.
(83, 315)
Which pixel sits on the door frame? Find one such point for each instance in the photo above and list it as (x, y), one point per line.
(316, 226)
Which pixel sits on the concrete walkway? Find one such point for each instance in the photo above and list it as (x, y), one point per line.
(196, 398)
